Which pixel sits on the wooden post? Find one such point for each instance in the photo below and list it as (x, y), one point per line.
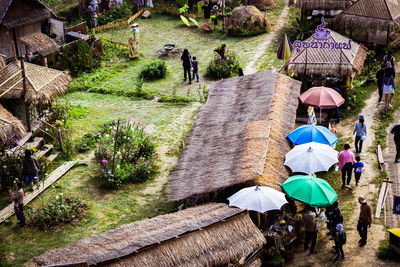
(223, 15)
(27, 105)
(60, 139)
(388, 36)
(115, 148)
(45, 62)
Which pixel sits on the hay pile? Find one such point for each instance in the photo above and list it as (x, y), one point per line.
(263, 4)
(247, 20)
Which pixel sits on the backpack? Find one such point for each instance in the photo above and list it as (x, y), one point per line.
(388, 59)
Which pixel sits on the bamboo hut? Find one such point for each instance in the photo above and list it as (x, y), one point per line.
(19, 18)
(308, 62)
(322, 4)
(25, 85)
(208, 235)
(11, 129)
(370, 21)
(241, 126)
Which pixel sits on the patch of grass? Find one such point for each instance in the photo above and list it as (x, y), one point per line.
(385, 252)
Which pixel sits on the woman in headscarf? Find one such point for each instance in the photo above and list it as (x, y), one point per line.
(340, 240)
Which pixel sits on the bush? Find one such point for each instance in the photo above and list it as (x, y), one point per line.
(61, 211)
(86, 143)
(133, 149)
(115, 13)
(223, 67)
(154, 70)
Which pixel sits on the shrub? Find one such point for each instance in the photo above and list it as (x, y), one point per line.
(115, 13)
(86, 143)
(126, 155)
(60, 211)
(154, 70)
(223, 67)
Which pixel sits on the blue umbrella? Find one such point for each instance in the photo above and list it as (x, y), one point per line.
(312, 133)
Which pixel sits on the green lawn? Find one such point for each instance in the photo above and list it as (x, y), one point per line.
(109, 208)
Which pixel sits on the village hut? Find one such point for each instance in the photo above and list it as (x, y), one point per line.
(208, 235)
(242, 126)
(20, 19)
(310, 61)
(25, 85)
(11, 129)
(370, 21)
(322, 4)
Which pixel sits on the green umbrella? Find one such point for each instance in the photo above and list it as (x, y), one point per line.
(310, 190)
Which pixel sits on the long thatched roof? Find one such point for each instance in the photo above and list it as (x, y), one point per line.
(15, 13)
(230, 139)
(335, 62)
(209, 235)
(41, 43)
(366, 14)
(11, 129)
(322, 4)
(42, 83)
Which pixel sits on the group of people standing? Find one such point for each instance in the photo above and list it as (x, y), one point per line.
(385, 79)
(190, 66)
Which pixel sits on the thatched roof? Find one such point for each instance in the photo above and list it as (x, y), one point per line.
(364, 14)
(229, 141)
(328, 61)
(15, 13)
(322, 4)
(41, 43)
(11, 129)
(42, 83)
(208, 235)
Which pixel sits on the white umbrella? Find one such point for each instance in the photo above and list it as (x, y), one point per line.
(311, 157)
(258, 198)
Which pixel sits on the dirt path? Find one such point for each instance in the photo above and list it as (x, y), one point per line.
(354, 255)
(259, 51)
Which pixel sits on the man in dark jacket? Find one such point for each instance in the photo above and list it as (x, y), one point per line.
(396, 132)
(364, 220)
(379, 80)
(30, 168)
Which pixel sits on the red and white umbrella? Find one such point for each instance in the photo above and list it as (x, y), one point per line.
(321, 97)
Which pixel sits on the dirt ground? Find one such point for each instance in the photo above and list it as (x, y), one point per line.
(354, 255)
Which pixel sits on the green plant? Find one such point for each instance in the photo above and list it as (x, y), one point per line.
(223, 67)
(62, 210)
(50, 3)
(183, 9)
(156, 69)
(125, 153)
(86, 143)
(301, 29)
(115, 13)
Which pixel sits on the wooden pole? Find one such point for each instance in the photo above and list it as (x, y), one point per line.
(223, 15)
(115, 148)
(60, 139)
(27, 105)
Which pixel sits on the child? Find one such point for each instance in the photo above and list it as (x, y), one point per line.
(340, 240)
(195, 65)
(358, 169)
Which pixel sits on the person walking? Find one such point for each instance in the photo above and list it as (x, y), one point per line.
(195, 65)
(346, 160)
(396, 132)
(388, 85)
(364, 220)
(18, 197)
(186, 63)
(358, 169)
(340, 240)
(310, 224)
(30, 169)
(379, 78)
(360, 129)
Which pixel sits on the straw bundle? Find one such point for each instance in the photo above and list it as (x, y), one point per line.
(203, 240)
(218, 153)
(42, 83)
(386, 13)
(41, 43)
(10, 127)
(323, 4)
(281, 119)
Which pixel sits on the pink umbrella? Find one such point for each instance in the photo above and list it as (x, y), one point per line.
(321, 97)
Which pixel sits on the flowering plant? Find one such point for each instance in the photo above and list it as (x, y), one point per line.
(125, 153)
(223, 67)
